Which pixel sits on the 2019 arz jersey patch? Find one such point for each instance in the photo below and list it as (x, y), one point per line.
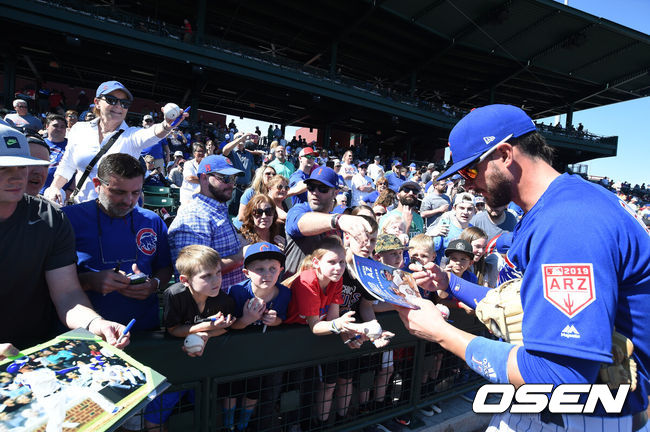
(569, 287)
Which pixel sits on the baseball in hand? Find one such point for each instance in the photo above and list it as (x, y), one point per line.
(444, 311)
(171, 111)
(373, 329)
(193, 343)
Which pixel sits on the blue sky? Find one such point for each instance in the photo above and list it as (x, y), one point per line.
(627, 120)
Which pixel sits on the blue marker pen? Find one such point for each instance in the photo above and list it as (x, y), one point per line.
(179, 119)
(357, 337)
(126, 330)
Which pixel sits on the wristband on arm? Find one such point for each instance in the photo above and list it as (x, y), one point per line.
(465, 291)
(489, 358)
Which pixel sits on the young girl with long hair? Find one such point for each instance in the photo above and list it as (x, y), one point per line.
(316, 296)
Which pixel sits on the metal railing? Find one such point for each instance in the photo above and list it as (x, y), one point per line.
(285, 371)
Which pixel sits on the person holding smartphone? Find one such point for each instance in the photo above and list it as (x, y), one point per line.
(123, 256)
(451, 224)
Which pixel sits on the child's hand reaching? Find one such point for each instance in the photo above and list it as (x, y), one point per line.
(222, 321)
(344, 320)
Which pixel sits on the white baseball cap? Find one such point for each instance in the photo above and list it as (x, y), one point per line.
(14, 149)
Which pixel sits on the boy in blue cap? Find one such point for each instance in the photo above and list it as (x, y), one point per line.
(259, 300)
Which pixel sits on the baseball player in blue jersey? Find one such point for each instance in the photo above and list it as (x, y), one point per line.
(585, 261)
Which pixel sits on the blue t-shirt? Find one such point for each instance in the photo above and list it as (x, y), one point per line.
(394, 181)
(296, 178)
(56, 153)
(139, 237)
(155, 150)
(246, 196)
(586, 270)
(370, 197)
(243, 291)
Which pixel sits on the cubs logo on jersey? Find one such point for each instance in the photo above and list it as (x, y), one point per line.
(146, 240)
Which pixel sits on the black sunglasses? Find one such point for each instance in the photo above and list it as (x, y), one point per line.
(412, 190)
(112, 100)
(259, 212)
(282, 187)
(319, 188)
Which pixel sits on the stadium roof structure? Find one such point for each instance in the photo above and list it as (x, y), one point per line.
(354, 65)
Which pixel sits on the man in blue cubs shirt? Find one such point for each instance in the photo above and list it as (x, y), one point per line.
(308, 222)
(581, 279)
(115, 237)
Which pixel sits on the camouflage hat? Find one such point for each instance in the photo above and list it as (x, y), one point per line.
(388, 242)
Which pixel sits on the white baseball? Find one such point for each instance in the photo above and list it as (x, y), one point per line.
(444, 311)
(171, 111)
(254, 302)
(193, 343)
(373, 329)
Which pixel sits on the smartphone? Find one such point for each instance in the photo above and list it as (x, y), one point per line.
(137, 278)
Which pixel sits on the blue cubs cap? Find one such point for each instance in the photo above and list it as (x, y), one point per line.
(397, 163)
(413, 165)
(482, 130)
(362, 163)
(217, 164)
(324, 175)
(109, 86)
(263, 250)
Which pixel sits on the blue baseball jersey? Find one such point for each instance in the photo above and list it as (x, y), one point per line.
(243, 291)
(296, 178)
(585, 261)
(394, 181)
(139, 237)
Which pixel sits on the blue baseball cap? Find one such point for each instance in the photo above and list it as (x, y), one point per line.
(324, 175)
(482, 130)
(109, 86)
(218, 164)
(263, 250)
(397, 163)
(413, 165)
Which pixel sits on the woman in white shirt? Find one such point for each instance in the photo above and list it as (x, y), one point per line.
(191, 184)
(85, 139)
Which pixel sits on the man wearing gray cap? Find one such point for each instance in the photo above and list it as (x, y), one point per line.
(38, 260)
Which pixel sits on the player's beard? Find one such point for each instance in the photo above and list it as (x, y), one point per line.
(498, 191)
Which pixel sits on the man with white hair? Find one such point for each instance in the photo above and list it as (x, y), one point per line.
(22, 119)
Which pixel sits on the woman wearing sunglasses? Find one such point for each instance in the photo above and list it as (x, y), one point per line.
(278, 188)
(259, 185)
(85, 139)
(260, 222)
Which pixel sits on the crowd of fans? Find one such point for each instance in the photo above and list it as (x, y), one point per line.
(265, 233)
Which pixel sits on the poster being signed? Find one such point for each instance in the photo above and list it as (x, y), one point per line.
(74, 382)
(386, 283)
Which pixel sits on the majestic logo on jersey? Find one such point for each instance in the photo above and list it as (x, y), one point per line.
(146, 240)
(569, 287)
(488, 139)
(570, 332)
